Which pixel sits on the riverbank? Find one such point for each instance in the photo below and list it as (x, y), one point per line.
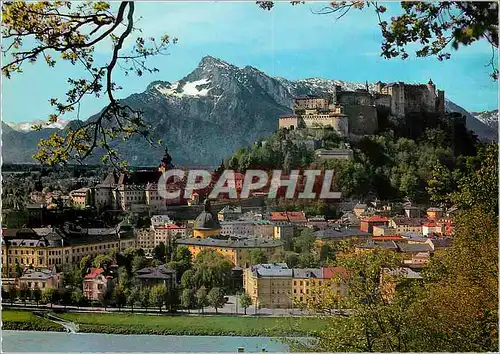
(27, 321)
(114, 323)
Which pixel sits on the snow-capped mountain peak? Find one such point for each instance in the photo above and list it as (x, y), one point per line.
(28, 126)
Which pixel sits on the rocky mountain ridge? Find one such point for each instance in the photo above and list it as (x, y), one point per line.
(205, 116)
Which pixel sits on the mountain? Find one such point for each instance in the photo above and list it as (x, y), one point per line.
(27, 127)
(490, 118)
(205, 116)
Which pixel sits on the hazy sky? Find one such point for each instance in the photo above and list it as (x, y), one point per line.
(289, 41)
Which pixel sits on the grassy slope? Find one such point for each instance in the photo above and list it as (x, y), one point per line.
(192, 325)
(27, 321)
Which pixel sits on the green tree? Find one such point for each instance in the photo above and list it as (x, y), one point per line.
(304, 243)
(145, 298)
(188, 280)
(119, 296)
(105, 299)
(216, 298)
(467, 276)
(57, 31)
(158, 295)
(13, 293)
(85, 263)
(36, 294)
(23, 293)
(245, 301)
(441, 185)
(50, 295)
(257, 256)
(212, 269)
(187, 298)
(138, 262)
(133, 296)
(159, 252)
(77, 297)
(18, 270)
(201, 298)
(478, 184)
(103, 261)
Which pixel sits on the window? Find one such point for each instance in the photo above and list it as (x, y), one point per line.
(295, 291)
(300, 283)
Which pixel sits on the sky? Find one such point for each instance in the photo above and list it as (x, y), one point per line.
(289, 41)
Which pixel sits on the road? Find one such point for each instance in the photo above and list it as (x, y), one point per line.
(232, 307)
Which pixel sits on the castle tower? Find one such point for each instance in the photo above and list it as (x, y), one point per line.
(431, 101)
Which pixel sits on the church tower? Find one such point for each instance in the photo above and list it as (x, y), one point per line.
(166, 162)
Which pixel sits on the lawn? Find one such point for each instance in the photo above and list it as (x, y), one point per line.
(27, 321)
(193, 325)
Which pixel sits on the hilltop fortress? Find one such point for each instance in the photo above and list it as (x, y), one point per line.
(355, 112)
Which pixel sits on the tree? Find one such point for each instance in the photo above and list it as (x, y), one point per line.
(441, 185)
(257, 256)
(212, 269)
(119, 296)
(201, 298)
(138, 262)
(216, 298)
(23, 293)
(158, 295)
(159, 252)
(304, 243)
(188, 280)
(430, 28)
(50, 295)
(85, 264)
(104, 298)
(133, 296)
(36, 294)
(326, 254)
(467, 276)
(245, 301)
(103, 261)
(18, 270)
(13, 293)
(49, 30)
(478, 184)
(187, 298)
(77, 297)
(145, 298)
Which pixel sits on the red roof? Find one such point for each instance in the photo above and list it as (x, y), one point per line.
(375, 218)
(94, 272)
(297, 216)
(330, 272)
(430, 224)
(279, 216)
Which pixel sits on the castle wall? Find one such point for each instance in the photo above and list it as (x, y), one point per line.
(288, 122)
(361, 119)
(383, 100)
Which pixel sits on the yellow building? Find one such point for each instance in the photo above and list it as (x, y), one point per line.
(235, 250)
(269, 285)
(206, 225)
(277, 286)
(49, 247)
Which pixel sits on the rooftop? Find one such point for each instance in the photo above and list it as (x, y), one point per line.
(375, 218)
(238, 243)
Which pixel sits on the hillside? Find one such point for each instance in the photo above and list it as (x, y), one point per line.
(208, 114)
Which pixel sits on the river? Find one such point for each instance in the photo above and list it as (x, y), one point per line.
(27, 341)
